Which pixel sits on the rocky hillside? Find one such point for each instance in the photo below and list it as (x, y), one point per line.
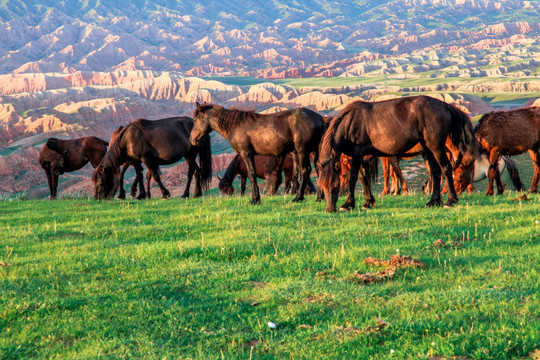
(34, 107)
(277, 39)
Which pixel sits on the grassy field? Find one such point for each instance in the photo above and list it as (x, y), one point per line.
(202, 278)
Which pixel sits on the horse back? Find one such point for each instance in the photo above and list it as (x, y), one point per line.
(513, 132)
(165, 139)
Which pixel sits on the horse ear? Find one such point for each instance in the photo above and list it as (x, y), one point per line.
(199, 107)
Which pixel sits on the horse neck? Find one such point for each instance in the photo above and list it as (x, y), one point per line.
(232, 170)
(113, 158)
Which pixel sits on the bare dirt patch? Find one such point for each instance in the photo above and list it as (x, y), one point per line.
(397, 261)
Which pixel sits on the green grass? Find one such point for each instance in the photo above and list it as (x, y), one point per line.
(177, 279)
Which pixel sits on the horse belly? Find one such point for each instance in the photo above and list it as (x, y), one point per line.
(271, 143)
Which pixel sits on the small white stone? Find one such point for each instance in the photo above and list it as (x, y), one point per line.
(271, 325)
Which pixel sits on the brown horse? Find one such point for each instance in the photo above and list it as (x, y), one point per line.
(508, 133)
(265, 167)
(391, 128)
(60, 156)
(138, 171)
(155, 143)
(273, 135)
(464, 179)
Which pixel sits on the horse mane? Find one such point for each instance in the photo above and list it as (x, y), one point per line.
(327, 144)
(114, 153)
(228, 119)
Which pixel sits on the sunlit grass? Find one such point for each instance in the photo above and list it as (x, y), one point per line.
(177, 278)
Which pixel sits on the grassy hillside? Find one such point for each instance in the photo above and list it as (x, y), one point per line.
(202, 278)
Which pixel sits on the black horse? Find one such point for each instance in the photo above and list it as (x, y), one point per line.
(159, 142)
(390, 128)
(274, 135)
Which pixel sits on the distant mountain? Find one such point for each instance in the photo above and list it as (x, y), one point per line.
(270, 39)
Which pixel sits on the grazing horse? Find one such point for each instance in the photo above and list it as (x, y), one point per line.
(138, 171)
(391, 128)
(273, 135)
(60, 156)
(509, 133)
(463, 179)
(265, 167)
(155, 143)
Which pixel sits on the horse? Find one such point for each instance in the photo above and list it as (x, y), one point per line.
(463, 180)
(138, 171)
(59, 156)
(155, 143)
(391, 128)
(266, 168)
(508, 133)
(275, 135)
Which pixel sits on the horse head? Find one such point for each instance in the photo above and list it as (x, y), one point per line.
(105, 181)
(225, 186)
(201, 122)
(329, 182)
(464, 174)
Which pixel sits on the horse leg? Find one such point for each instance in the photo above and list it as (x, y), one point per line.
(350, 203)
(154, 171)
(288, 180)
(148, 178)
(48, 172)
(365, 179)
(446, 167)
(243, 180)
(493, 170)
(54, 176)
(274, 177)
(192, 170)
(435, 179)
(121, 191)
(535, 157)
(395, 174)
(386, 173)
(295, 184)
(249, 160)
(305, 168)
(138, 180)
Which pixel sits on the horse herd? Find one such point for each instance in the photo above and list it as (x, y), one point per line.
(344, 149)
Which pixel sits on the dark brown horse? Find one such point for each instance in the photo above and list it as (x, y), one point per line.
(265, 168)
(391, 128)
(138, 171)
(60, 156)
(155, 143)
(273, 135)
(508, 133)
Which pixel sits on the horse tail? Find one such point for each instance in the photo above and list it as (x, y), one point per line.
(513, 171)
(462, 132)
(205, 162)
(371, 164)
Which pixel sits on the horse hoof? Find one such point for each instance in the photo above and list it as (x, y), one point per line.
(297, 200)
(255, 201)
(433, 204)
